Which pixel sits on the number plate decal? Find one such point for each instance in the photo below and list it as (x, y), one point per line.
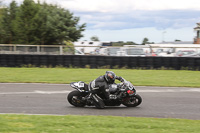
(81, 85)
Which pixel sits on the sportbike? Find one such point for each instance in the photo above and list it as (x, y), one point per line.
(121, 93)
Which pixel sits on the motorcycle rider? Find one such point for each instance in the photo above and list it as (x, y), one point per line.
(101, 86)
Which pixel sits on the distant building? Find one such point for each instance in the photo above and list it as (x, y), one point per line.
(178, 42)
(197, 38)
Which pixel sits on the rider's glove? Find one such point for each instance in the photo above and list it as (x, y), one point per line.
(120, 78)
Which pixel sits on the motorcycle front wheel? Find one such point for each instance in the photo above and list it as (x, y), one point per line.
(132, 101)
(75, 98)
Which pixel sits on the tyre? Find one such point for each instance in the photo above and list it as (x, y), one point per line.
(132, 101)
(75, 98)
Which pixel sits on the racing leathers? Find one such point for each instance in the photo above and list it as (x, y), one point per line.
(100, 88)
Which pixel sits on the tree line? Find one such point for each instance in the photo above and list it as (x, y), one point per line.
(38, 23)
(122, 43)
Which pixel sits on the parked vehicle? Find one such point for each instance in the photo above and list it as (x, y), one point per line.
(169, 52)
(192, 55)
(122, 51)
(88, 47)
(184, 52)
(132, 52)
(122, 93)
(172, 49)
(77, 52)
(112, 51)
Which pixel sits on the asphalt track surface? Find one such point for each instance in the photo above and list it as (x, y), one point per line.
(50, 99)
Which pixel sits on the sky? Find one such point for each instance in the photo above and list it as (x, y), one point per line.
(133, 20)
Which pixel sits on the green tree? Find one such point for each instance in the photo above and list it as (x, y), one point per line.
(1, 9)
(130, 43)
(36, 23)
(58, 25)
(25, 24)
(145, 41)
(119, 43)
(53, 25)
(7, 24)
(94, 38)
(177, 40)
(70, 47)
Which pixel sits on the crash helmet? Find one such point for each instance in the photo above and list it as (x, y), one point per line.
(110, 77)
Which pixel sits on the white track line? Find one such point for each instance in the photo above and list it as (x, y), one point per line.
(30, 114)
(62, 92)
(35, 92)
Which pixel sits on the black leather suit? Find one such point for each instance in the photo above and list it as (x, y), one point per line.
(100, 87)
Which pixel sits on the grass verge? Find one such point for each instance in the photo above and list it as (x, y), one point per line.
(97, 124)
(87, 124)
(181, 78)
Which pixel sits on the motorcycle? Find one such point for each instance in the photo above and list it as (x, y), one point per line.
(121, 93)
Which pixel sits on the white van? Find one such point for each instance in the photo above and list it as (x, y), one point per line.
(112, 51)
(125, 51)
(88, 47)
(77, 52)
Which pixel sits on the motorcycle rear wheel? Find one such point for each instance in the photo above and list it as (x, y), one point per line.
(132, 101)
(75, 99)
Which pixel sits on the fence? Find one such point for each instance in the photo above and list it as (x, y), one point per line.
(127, 50)
(176, 63)
(36, 49)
